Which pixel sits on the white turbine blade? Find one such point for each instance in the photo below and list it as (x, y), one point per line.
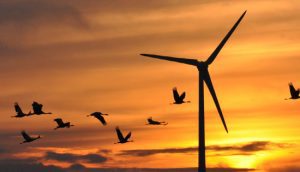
(214, 96)
(174, 59)
(212, 57)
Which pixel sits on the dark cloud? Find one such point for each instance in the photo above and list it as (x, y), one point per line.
(68, 157)
(229, 170)
(77, 167)
(11, 145)
(105, 151)
(16, 167)
(29, 165)
(26, 165)
(2, 151)
(148, 152)
(249, 147)
(285, 169)
(17, 161)
(245, 149)
(166, 170)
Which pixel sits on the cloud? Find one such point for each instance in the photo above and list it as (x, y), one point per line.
(244, 149)
(68, 157)
(24, 23)
(248, 147)
(136, 6)
(29, 165)
(77, 167)
(148, 152)
(29, 12)
(285, 169)
(2, 150)
(169, 170)
(26, 165)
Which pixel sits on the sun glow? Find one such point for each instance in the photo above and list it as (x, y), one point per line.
(90, 61)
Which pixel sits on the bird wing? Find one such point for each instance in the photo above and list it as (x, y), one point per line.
(151, 121)
(120, 135)
(96, 113)
(37, 108)
(101, 119)
(182, 96)
(175, 94)
(18, 109)
(26, 136)
(292, 89)
(59, 121)
(128, 136)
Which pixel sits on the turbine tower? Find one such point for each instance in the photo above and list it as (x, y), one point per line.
(204, 76)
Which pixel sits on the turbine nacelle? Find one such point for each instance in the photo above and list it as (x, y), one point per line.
(204, 77)
(202, 66)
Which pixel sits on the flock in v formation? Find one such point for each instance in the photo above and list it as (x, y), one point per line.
(37, 110)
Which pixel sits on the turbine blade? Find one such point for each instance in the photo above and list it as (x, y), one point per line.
(214, 96)
(212, 57)
(174, 59)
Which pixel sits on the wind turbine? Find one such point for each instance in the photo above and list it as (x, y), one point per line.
(204, 76)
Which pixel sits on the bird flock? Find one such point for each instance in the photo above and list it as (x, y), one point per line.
(38, 110)
(178, 99)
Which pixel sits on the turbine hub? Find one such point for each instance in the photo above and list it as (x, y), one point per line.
(202, 66)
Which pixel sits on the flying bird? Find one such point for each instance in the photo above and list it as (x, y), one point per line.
(19, 112)
(179, 99)
(37, 109)
(99, 116)
(152, 122)
(204, 77)
(28, 138)
(121, 137)
(62, 124)
(294, 92)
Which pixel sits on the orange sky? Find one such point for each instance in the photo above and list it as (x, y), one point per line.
(83, 56)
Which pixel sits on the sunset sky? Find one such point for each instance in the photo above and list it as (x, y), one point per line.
(77, 57)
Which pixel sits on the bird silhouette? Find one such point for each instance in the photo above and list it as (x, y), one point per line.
(27, 138)
(152, 122)
(37, 109)
(204, 77)
(121, 137)
(179, 99)
(99, 116)
(19, 112)
(294, 92)
(62, 124)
